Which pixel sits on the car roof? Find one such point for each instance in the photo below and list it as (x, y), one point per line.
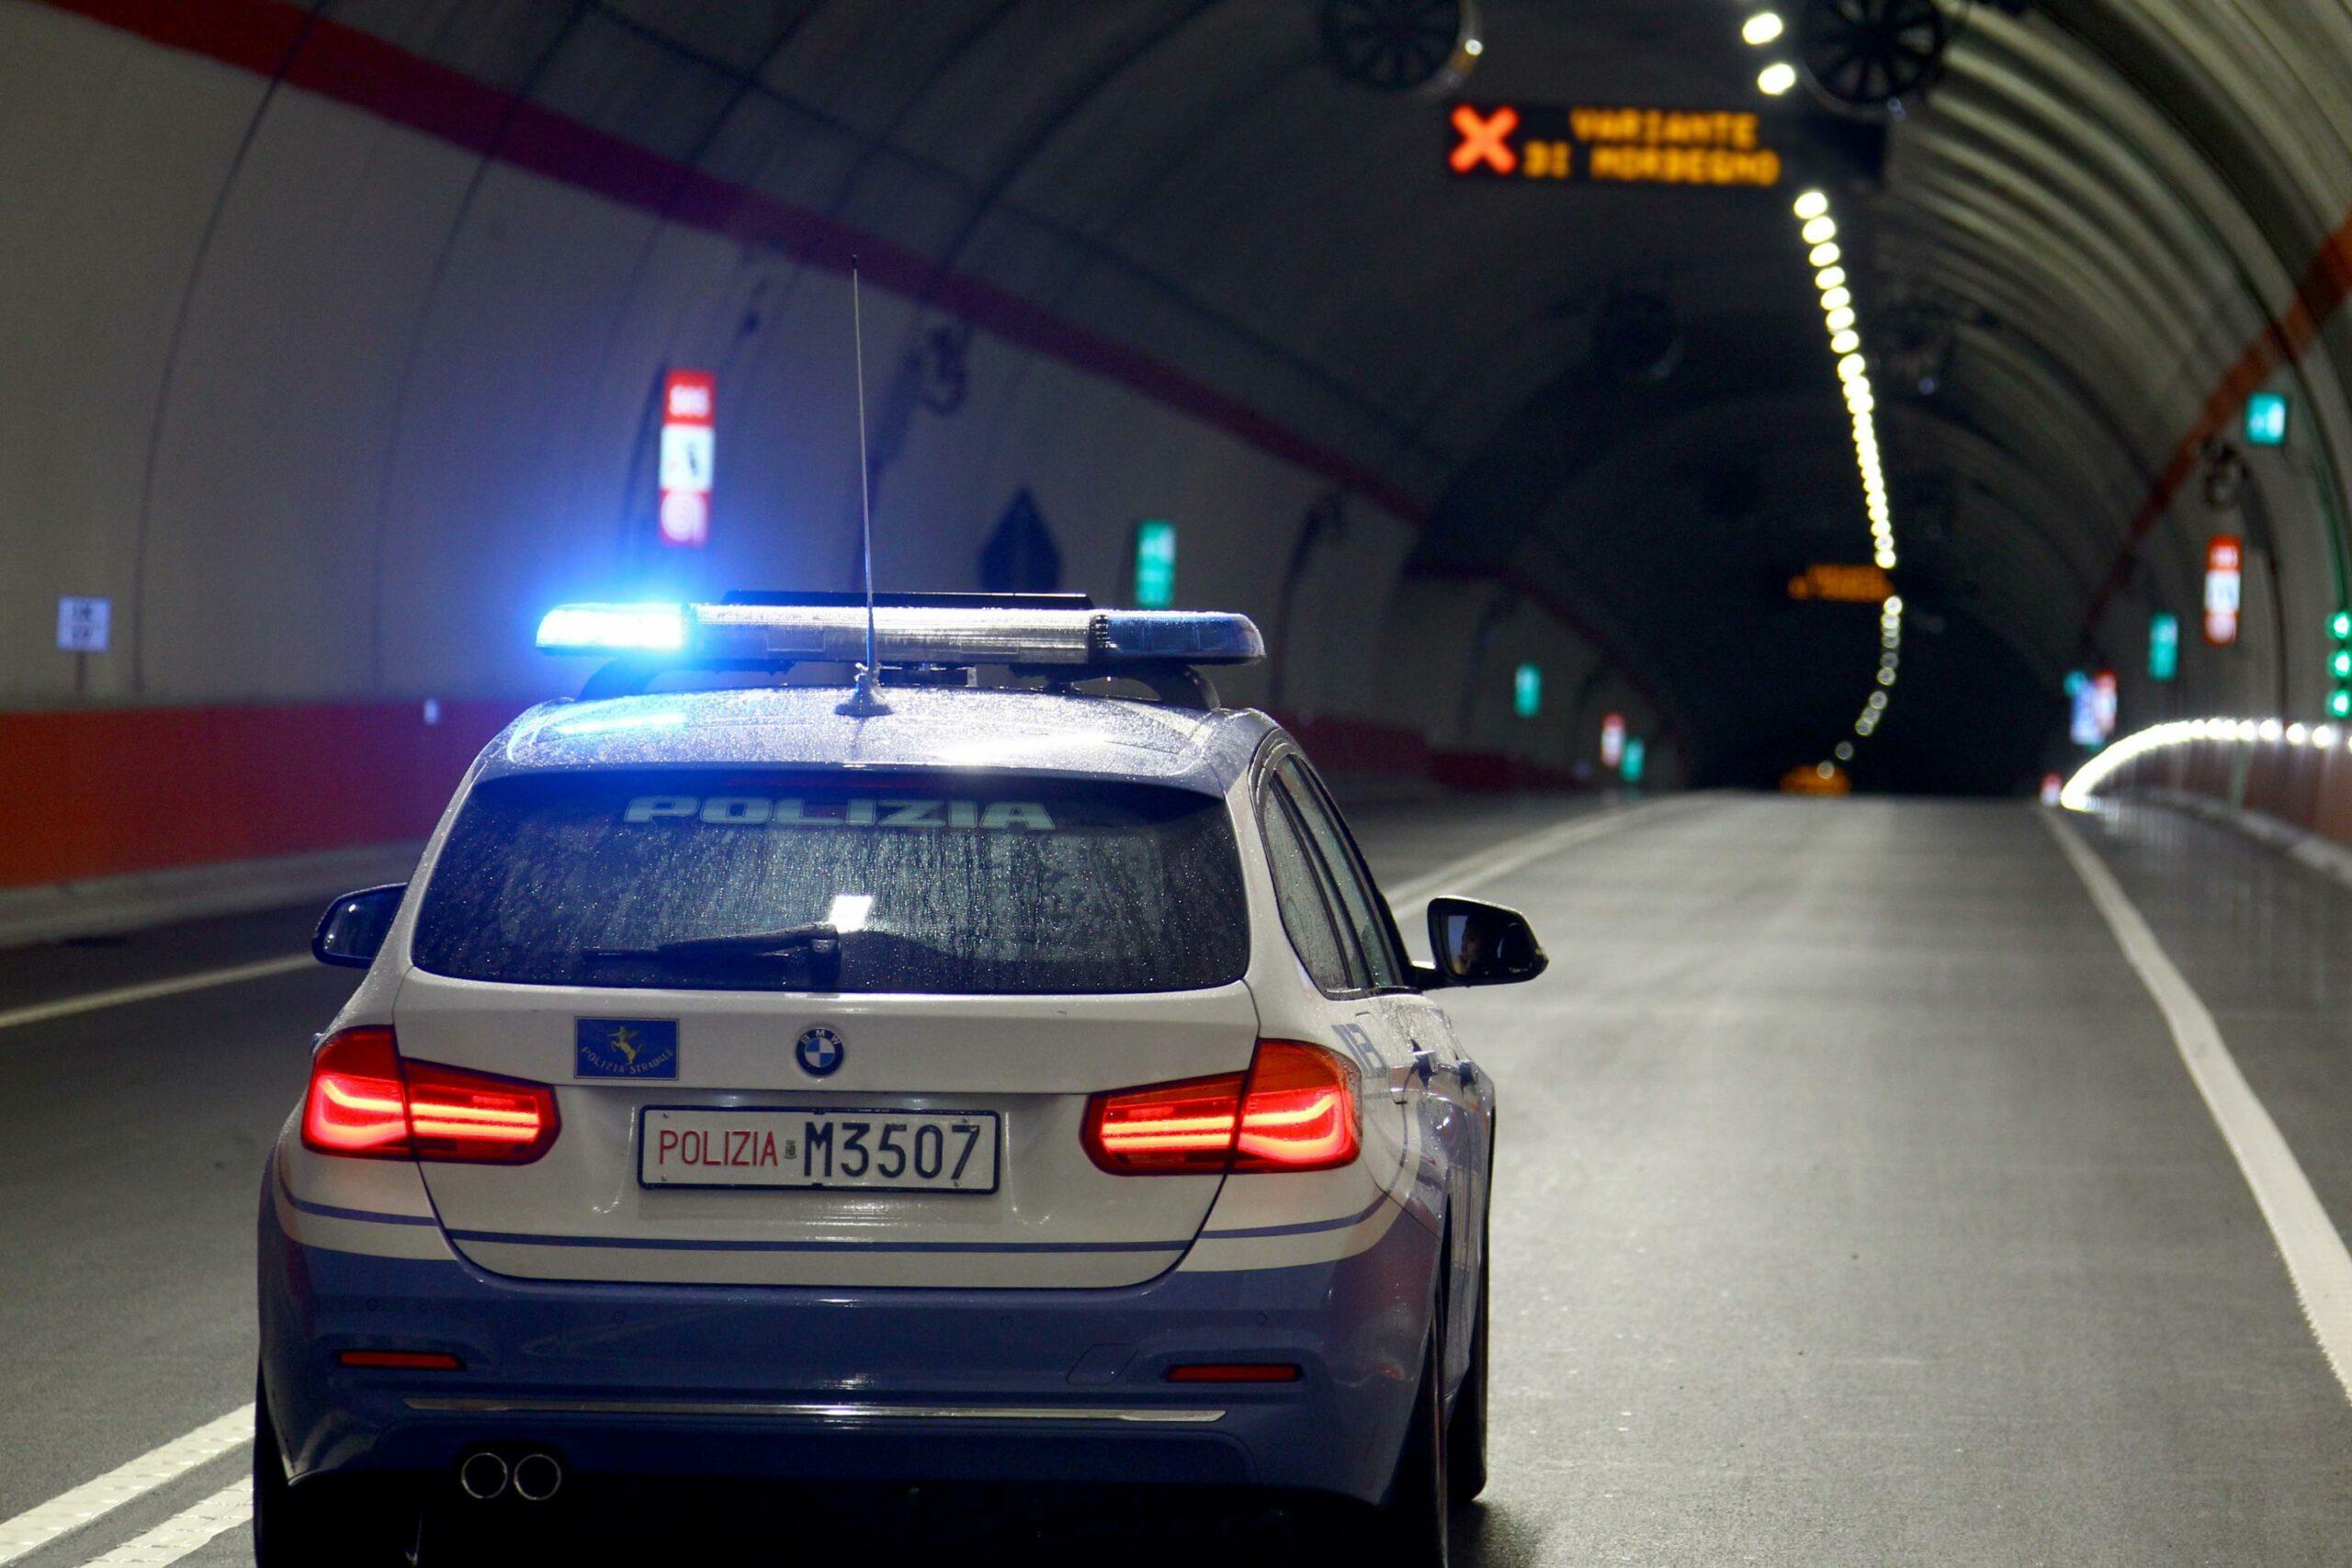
(1059, 734)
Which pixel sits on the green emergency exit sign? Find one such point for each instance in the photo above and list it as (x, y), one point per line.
(1155, 563)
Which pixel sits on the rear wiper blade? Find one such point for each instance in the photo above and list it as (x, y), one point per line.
(817, 936)
(818, 940)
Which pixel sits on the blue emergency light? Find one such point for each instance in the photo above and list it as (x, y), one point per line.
(614, 628)
(941, 630)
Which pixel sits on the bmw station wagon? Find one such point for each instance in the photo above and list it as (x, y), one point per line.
(1006, 1073)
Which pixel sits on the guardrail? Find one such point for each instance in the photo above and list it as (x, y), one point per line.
(2292, 772)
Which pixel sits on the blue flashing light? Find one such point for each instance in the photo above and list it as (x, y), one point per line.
(614, 628)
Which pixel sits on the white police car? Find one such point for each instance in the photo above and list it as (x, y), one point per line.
(1000, 1083)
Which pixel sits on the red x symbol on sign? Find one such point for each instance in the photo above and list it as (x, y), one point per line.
(1482, 138)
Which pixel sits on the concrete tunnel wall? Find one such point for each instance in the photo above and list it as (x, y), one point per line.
(332, 409)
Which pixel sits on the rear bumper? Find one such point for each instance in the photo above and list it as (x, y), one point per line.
(883, 1384)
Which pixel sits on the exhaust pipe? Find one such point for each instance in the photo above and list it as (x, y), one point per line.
(538, 1477)
(482, 1476)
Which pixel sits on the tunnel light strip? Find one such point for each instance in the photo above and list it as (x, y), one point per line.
(1843, 324)
(2081, 792)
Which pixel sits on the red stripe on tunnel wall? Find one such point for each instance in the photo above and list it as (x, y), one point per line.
(2325, 285)
(103, 792)
(356, 68)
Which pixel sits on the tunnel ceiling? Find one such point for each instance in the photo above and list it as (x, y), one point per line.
(2058, 253)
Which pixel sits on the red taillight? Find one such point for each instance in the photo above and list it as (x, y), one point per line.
(364, 1101)
(1294, 1110)
(1234, 1371)
(401, 1360)
(356, 1105)
(1301, 1114)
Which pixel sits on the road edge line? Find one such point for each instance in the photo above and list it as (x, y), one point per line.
(1512, 855)
(127, 1483)
(149, 990)
(2318, 1264)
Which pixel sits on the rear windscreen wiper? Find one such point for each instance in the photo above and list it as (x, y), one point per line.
(819, 941)
(817, 936)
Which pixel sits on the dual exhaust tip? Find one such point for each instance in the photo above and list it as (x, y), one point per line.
(534, 1477)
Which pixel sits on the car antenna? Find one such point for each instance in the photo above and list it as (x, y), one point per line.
(864, 701)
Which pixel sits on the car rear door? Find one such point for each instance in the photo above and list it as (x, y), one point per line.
(1434, 1076)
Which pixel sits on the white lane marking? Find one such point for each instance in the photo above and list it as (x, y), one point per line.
(185, 1531)
(1487, 865)
(71, 1510)
(66, 1007)
(2316, 1259)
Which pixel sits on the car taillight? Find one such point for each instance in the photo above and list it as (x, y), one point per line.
(364, 1101)
(1294, 1110)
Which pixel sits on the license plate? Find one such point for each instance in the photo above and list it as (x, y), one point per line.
(906, 1150)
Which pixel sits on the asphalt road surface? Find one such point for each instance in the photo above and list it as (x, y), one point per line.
(1858, 1201)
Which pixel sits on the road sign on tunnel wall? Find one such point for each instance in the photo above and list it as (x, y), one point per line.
(689, 441)
(2164, 646)
(83, 624)
(1155, 563)
(2224, 588)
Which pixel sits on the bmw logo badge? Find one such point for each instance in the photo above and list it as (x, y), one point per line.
(820, 1050)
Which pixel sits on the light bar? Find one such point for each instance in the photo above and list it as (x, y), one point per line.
(835, 633)
(614, 628)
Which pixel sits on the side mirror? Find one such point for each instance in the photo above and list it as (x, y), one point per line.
(352, 931)
(1482, 945)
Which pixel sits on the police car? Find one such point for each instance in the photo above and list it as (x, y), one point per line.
(981, 1074)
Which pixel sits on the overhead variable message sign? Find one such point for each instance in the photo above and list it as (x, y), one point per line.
(1612, 145)
(1842, 584)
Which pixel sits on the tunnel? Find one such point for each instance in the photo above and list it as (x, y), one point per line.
(1834, 508)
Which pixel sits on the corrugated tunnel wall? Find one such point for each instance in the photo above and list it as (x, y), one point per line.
(332, 331)
(331, 364)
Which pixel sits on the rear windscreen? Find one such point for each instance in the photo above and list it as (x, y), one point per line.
(970, 884)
